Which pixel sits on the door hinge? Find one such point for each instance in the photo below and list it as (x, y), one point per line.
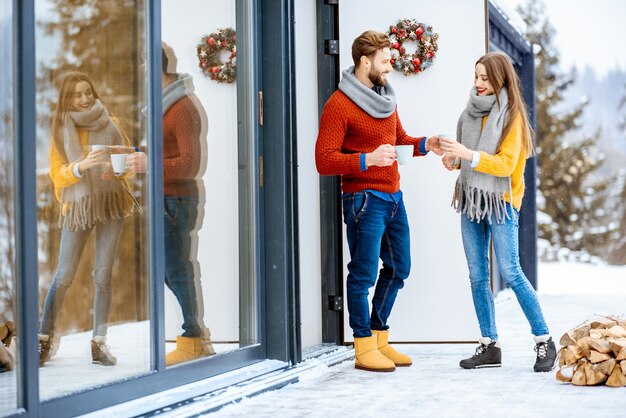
(335, 303)
(331, 47)
(260, 107)
(261, 171)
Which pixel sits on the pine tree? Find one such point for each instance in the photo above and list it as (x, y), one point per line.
(571, 196)
(618, 250)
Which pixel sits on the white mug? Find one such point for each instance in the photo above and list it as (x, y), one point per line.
(97, 147)
(404, 154)
(119, 163)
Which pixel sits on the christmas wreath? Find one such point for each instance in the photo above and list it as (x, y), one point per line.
(209, 53)
(406, 30)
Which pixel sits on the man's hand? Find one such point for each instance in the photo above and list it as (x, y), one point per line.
(137, 162)
(434, 144)
(383, 156)
(448, 162)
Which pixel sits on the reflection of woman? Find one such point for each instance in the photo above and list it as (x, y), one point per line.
(494, 141)
(91, 198)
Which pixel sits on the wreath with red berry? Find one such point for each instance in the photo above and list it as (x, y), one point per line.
(209, 53)
(407, 30)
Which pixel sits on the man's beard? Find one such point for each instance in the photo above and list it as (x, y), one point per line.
(376, 78)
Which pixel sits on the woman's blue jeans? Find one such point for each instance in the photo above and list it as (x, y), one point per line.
(180, 225)
(70, 252)
(376, 229)
(505, 244)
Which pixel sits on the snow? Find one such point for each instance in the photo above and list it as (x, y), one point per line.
(569, 292)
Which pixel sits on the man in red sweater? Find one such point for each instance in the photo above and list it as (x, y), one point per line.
(359, 130)
(184, 162)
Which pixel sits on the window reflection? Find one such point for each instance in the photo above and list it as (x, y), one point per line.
(93, 249)
(8, 308)
(210, 255)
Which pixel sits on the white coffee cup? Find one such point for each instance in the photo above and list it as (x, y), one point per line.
(404, 154)
(119, 163)
(97, 147)
(446, 136)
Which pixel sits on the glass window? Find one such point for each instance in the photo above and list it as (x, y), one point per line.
(92, 226)
(8, 308)
(210, 251)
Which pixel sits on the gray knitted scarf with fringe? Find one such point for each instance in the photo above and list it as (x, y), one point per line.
(479, 195)
(376, 105)
(92, 200)
(182, 87)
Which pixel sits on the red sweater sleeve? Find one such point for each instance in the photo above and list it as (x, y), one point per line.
(402, 138)
(329, 156)
(183, 126)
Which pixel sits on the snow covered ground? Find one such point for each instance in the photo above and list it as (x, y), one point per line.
(434, 386)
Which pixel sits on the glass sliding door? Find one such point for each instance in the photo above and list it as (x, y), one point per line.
(92, 222)
(209, 182)
(8, 277)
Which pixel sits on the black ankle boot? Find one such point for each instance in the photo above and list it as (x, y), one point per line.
(486, 355)
(546, 356)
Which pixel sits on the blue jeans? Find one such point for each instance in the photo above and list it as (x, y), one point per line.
(71, 249)
(376, 229)
(505, 244)
(181, 216)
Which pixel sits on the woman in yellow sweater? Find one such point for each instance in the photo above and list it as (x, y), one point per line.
(494, 141)
(91, 198)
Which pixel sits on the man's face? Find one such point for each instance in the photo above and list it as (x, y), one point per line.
(380, 67)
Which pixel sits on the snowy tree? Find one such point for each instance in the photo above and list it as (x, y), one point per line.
(573, 197)
(618, 251)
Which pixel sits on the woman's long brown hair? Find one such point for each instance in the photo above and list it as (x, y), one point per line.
(64, 104)
(501, 73)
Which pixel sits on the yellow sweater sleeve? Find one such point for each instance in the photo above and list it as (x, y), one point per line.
(62, 171)
(503, 163)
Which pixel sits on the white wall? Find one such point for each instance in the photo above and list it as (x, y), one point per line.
(183, 25)
(308, 180)
(435, 304)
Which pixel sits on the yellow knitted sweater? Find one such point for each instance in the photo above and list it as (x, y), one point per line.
(509, 161)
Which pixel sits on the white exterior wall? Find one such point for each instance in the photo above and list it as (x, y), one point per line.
(308, 180)
(436, 303)
(218, 249)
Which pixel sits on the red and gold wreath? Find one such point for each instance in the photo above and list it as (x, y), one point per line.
(407, 30)
(209, 53)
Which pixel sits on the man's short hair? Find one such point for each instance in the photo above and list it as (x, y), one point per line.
(367, 44)
(168, 59)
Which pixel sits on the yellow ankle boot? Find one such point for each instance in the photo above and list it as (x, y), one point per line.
(399, 359)
(367, 357)
(188, 348)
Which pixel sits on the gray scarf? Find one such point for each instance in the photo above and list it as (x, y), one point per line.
(180, 88)
(91, 200)
(378, 106)
(476, 194)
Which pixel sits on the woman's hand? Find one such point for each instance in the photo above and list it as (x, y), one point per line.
(93, 159)
(455, 149)
(448, 162)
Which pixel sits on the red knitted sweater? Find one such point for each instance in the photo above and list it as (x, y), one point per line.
(346, 131)
(182, 127)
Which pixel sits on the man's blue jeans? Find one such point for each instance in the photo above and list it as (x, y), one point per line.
(505, 244)
(376, 229)
(181, 216)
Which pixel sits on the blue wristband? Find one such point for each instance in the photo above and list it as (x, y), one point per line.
(423, 149)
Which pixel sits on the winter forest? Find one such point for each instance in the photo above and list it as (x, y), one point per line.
(580, 142)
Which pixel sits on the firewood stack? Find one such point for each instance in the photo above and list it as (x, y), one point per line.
(594, 353)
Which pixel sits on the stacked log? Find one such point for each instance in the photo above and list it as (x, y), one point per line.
(594, 353)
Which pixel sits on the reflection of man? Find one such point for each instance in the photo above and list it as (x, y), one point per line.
(184, 135)
(359, 128)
